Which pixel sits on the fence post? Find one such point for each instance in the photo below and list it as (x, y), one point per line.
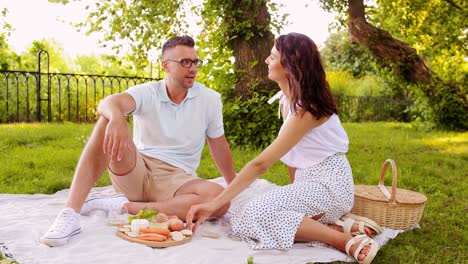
(39, 99)
(158, 61)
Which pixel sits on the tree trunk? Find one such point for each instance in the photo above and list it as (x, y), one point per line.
(446, 99)
(251, 47)
(382, 45)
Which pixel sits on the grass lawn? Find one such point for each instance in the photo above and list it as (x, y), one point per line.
(40, 158)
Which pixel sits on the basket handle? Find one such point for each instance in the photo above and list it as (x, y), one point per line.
(381, 185)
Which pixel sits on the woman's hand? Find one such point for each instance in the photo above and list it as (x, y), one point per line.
(199, 212)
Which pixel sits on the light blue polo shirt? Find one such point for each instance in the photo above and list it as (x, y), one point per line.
(175, 133)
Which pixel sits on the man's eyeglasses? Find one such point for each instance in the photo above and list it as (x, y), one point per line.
(187, 63)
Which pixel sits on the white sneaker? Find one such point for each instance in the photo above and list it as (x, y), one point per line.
(66, 225)
(115, 202)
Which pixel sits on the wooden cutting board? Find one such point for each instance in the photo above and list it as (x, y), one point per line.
(168, 243)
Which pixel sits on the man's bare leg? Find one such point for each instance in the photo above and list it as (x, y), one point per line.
(92, 164)
(90, 167)
(193, 192)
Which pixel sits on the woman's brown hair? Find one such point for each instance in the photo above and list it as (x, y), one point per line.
(306, 76)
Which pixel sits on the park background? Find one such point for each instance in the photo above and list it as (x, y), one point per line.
(419, 64)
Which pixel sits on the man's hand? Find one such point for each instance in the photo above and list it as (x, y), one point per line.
(117, 139)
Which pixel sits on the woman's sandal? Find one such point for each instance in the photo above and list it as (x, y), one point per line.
(348, 220)
(365, 240)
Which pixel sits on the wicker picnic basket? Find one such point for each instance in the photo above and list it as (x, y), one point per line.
(393, 207)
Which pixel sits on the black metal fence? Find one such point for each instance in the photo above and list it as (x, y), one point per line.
(363, 108)
(56, 97)
(28, 96)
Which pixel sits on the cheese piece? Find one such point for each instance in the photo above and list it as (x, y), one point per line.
(131, 234)
(186, 232)
(138, 224)
(177, 236)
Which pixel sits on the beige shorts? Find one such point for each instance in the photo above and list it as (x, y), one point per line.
(151, 180)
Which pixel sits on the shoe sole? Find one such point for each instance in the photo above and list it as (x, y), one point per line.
(58, 242)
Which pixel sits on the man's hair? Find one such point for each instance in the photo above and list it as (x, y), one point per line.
(178, 41)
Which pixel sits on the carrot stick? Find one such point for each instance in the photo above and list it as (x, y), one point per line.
(152, 237)
(157, 239)
(164, 232)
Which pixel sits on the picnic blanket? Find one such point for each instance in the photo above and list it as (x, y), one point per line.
(24, 218)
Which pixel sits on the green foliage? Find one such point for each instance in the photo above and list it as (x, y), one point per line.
(235, 19)
(437, 30)
(143, 25)
(430, 27)
(368, 98)
(7, 56)
(27, 61)
(278, 21)
(344, 83)
(440, 110)
(56, 60)
(218, 72)
(365, 109)
(70, 95)
(252, 122)
(370, 85)
(341, 82)
(88, 64)
(353, 70)
(222, 22)
(340, 54)
(111, 65)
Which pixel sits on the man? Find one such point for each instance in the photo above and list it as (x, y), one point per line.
(156, 170)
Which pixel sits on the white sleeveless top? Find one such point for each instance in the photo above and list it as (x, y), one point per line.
(317, 144)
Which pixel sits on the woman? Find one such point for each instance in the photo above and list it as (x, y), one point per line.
(313, 144)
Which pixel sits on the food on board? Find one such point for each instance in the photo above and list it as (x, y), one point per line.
(153, 226)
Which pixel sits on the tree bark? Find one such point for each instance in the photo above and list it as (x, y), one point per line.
(252, 48)
(382, 45)
(447, 100)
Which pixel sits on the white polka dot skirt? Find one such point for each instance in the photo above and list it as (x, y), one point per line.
(271, 220)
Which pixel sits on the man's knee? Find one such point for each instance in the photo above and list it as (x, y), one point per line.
(205, 191)
(95, 141)
(101, 125)
(211, 191)
(214, 191)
